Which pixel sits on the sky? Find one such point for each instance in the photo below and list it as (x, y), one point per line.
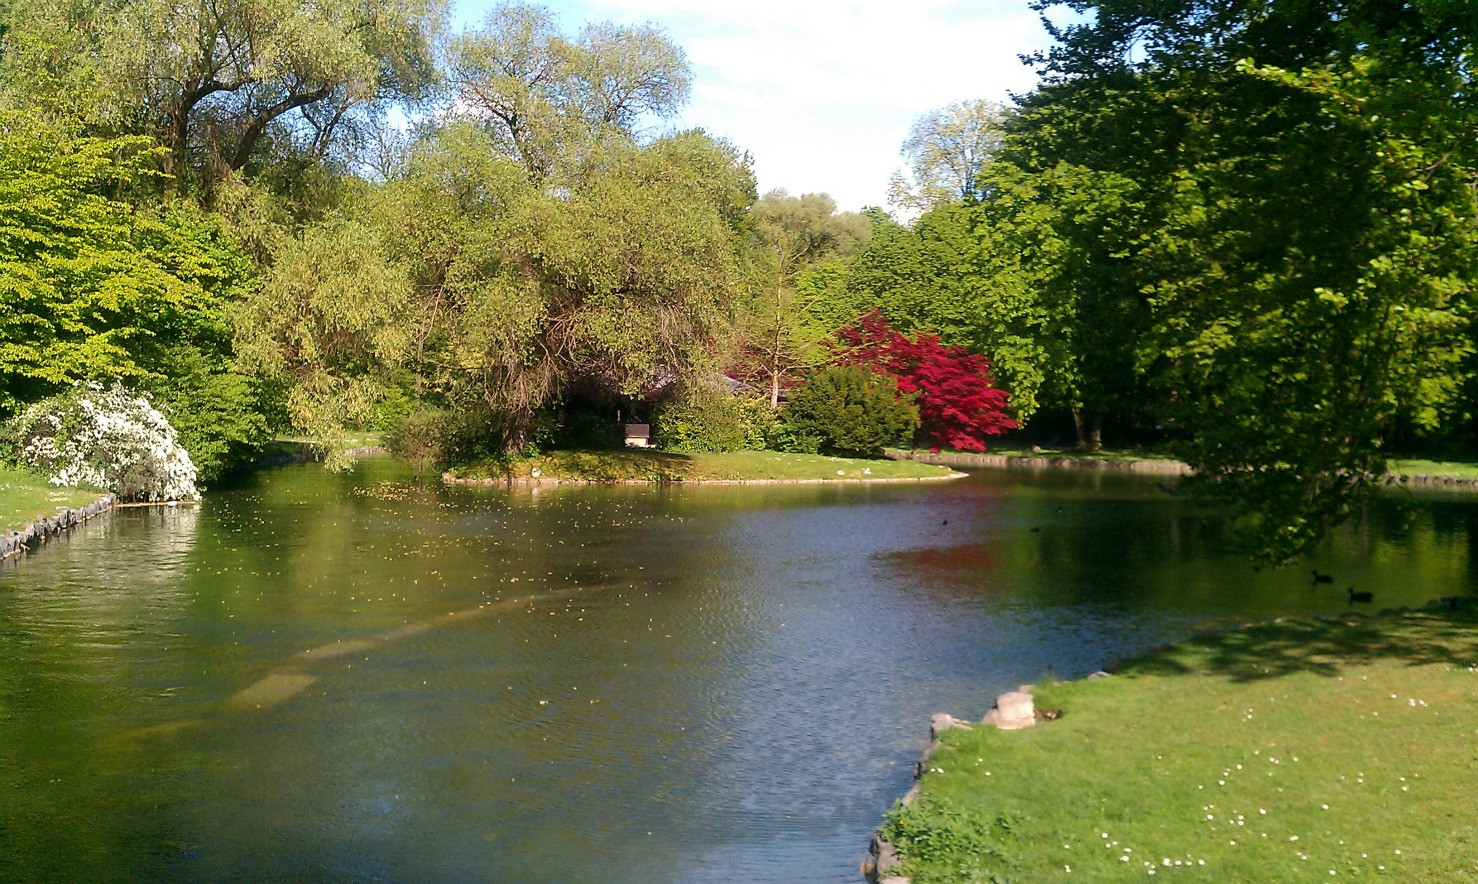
(821, 93)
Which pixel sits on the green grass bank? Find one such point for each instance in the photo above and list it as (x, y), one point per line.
(25, 495)
(1009, 455)
(635, 465)
(1289, 751)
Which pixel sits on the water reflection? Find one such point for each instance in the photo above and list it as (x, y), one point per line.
(373, 676)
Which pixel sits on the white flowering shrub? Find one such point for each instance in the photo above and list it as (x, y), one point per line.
(109, 438)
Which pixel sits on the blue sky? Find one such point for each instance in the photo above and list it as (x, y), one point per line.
(822, 92)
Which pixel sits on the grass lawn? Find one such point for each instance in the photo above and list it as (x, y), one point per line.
(1293, 751)
(1119, 455)
(1014, 451)
(25, 495)
(656, 466)
(1445, 469)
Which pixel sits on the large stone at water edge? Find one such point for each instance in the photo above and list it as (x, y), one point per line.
(1013, 711)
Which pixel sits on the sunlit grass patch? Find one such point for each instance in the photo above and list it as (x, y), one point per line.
(1285, 752)
(732, 466)
(1444, 469)
(25, 495)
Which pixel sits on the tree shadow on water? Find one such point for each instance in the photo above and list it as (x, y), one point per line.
(1323, 646)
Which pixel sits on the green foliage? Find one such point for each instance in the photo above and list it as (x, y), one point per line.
(852, 410)
(218, 414)
(782, 327)
(429, 436)
(709, 418)
(257, 85)
(80, 290)
(552, 103)
(1268, 237)
(791, 439)
(97, 290)
(331, 322)
(947, 150)
(947, 844)
(464, 285)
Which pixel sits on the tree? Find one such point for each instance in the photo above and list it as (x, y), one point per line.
(224, 85)
(1285, 192)
(549, 101)
(959, 405)
(465, 286)
(94, 290)
(947, 149)
(782, 331)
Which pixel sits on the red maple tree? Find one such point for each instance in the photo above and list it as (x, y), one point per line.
(959, 404)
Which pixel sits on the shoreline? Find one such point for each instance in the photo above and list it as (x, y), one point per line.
(1156, 467)
(1015, 710)
(44, 528)
(1013, 461)
(489, 481)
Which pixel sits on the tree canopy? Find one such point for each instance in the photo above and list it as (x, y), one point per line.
(224, 85)
(947, 150)
(549, 100)
(1279, 203)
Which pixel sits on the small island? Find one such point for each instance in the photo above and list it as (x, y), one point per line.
(729, 467)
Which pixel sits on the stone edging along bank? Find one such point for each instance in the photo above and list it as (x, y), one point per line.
(46, 527)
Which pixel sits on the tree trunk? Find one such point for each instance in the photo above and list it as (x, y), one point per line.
(1089, 427)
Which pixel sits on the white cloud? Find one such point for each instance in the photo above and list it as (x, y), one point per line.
(822, 92)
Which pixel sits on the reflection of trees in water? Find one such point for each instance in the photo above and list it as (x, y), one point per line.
(1055, 541)
(112, 577)
(84, 624)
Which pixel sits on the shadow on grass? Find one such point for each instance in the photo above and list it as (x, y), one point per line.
(1323, 647)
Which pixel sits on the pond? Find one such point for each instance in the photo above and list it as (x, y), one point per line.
(372, 676)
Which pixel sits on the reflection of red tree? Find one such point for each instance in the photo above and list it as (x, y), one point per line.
(959, 404)
(970, 559)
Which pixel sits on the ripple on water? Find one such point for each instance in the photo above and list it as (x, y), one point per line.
(365, 676)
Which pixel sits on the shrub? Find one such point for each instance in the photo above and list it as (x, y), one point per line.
(791, 439)
(711, 418)
(433, 436)
(106, 438)
(852, 411)
(966, 847)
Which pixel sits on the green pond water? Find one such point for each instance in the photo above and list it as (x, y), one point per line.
(370, 676)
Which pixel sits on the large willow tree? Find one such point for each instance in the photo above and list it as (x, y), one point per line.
(467, 287)
(223, 84)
